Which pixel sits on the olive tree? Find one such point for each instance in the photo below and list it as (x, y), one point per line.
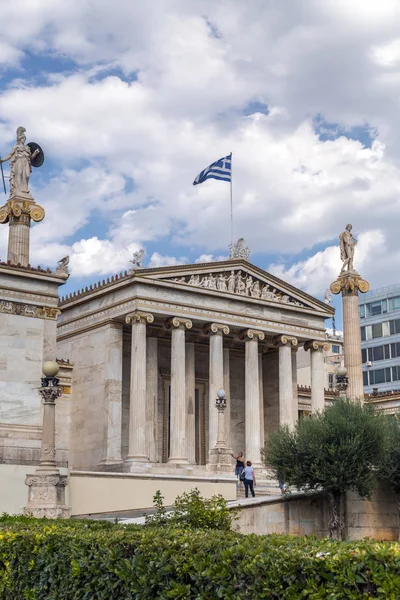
(332, 452)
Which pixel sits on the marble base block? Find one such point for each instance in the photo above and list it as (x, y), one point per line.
(46, 497)
(220, 461)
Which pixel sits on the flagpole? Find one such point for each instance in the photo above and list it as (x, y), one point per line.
(231, 205)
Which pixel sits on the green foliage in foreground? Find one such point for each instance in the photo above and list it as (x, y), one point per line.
(390, 466)
(192, 511)
(70, 560)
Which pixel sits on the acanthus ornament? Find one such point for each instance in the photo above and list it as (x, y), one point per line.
(237, 283)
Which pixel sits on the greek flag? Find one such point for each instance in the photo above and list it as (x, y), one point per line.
(220, 169)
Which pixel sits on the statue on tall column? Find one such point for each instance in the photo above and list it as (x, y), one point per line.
(347, 245)
(22, 157)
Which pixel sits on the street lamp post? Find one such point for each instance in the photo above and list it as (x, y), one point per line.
(46, 496)
(220, 460)
(342, 381)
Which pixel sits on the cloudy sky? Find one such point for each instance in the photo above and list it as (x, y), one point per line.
(130, 100)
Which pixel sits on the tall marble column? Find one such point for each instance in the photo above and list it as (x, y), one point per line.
(227, 388)
(286, 400)
(317, 349)
(190, 402)
(137, 452)
(178, 444)
(252, 396)
(151, 397)
(216, 375)
(295, 405)
(113, 393)
(261, 384)
(350, 284)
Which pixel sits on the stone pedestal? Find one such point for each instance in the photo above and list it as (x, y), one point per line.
(18, 212)
(317, 349)
(350, 284)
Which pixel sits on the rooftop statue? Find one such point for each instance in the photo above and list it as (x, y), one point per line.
(22, 157)
(347, 245)
(239, 249)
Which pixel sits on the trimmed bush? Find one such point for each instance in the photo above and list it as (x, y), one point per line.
(80, 560)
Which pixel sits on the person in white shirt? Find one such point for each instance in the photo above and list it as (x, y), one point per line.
(249, 479)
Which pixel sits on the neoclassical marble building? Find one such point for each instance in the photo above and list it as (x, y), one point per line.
(149, 349)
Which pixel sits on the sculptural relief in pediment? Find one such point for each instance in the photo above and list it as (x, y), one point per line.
(240, 283)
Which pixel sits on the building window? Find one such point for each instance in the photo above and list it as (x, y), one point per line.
(394, 303)
(377, 353)
(395, 373)
(363, 334)
(365, 377)
(361, 310)
(335, 349)
(330, 380)
(364, 355)
(394, 326)
(376, 330)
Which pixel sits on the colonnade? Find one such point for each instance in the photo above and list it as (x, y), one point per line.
(143, 389)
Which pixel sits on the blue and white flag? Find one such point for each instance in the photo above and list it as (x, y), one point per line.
(220, 169)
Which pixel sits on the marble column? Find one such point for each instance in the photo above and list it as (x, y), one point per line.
(261, 386)
(191, 402)
(350, 284)
(252, 396)
(317, 348)
(295, 405)
(113, 393)
(216, 375)
(137, 452)
(151, 397)
(286, 400)
(227, 388)
(178, 444)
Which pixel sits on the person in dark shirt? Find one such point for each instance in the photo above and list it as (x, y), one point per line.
(239, 465)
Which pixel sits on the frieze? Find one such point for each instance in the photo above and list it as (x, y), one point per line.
(120, 310)
(28, 310)
(238, 284)
(20, 295)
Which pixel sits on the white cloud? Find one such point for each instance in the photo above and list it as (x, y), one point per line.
(158, 260)
(205, 258)
(128, 150)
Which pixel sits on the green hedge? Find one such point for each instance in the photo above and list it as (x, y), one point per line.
(72, 560)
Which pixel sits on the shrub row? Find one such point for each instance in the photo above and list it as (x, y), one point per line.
(45, 560)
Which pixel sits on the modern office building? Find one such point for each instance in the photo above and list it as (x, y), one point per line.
(380, 338)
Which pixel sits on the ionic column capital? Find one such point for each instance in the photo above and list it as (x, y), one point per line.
(317, 346)
(216, 328)
(283, 340)
(139, 317)
(349, 284)
(250, 334)
(178, 322)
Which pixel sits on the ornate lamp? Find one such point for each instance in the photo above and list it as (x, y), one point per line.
(342, 381)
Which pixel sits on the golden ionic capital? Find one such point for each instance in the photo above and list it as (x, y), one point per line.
(317, 345)
(178, 322)
(139, 317)
(216, 328)
(283, 340)
(250, 334)
(349, 284)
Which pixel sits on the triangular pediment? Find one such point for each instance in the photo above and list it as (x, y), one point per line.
(239, 278)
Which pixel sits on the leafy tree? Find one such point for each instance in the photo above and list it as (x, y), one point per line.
(390, 466)
(332, 452)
